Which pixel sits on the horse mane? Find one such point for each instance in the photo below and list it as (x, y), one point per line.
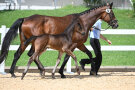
(91, 9)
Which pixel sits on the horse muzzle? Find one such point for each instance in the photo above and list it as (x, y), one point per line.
(114, 24)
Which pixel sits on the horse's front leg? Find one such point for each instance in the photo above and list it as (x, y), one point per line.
(83, 48)
(65, 61)
(63, 65)
(87, 61)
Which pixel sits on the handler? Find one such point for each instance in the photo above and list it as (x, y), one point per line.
(95, 35)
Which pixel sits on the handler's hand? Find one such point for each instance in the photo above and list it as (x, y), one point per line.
(109, 42)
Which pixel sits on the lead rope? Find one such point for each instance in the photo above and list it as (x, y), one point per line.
(100, 29)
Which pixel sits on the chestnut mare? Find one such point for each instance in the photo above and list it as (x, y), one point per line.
(61, 42)
(39, 24)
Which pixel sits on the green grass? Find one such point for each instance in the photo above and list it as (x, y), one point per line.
(125, 17)
(110, 58)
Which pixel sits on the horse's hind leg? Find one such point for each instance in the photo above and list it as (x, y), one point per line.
(41, 67)
(38, 63)
(16, 57)
(66, 58)
(57, 63)
(31, 51)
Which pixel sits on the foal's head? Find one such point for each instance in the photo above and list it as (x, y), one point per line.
(80, 27)
(75, 26)
(109, 17)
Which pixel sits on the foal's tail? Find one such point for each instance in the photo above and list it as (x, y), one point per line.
(32, 38)
(11, 34)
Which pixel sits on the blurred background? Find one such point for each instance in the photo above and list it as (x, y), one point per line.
(53, 4)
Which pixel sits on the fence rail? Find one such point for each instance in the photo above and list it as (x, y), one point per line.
(3, 31)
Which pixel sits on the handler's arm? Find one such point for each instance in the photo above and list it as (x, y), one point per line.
(104, 38)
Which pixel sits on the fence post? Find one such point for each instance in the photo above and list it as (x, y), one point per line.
(2, 65)
(68, 70)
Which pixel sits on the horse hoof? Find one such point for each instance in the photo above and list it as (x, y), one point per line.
(13, 75)
(22, 77)
(42, 73)
(82, 65)
(63, 76)
(53, 76)
(42, 77)
(93, 73)
(78, 73)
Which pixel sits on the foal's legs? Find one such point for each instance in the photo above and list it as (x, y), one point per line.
(30, 53)
(69, 52)
(41, 67)
(63, 65)
(16, 58)
(67, 56)
(57, 63)
(82, 48)
(65, 61)
(32, 58)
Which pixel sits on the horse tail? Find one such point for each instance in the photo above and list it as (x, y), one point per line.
(9, 37)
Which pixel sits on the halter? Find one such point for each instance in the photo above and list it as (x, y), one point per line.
(108, 11)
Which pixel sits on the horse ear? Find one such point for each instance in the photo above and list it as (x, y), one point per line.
(111, 4)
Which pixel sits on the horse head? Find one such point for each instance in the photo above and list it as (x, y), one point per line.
(109, 17)
(80, 27)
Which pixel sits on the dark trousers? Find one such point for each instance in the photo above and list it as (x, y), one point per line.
(97, 50)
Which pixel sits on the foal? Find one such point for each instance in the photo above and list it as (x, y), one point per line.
(61, 42)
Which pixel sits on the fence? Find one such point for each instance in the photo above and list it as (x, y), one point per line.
(3, 31)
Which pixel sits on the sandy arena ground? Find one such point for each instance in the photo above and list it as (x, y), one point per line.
(105, 81)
